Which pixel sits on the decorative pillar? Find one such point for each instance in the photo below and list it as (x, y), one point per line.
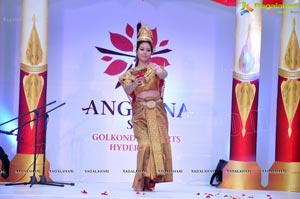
(33, 84)
(242, 171)
(285, 172)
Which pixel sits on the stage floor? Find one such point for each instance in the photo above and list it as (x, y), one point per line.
(123, 191)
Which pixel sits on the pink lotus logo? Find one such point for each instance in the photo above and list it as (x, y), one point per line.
(124, 45)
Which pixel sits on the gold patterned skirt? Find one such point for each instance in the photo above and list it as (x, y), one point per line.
(154, 158)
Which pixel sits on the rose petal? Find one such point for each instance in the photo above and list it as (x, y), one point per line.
(104, 193)
(160, 61)
(106, 58)
(129, 30)
(121, 42)
(163, 43)
(116, 67)
(154, 37)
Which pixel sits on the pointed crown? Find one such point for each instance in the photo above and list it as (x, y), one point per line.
(145, 34)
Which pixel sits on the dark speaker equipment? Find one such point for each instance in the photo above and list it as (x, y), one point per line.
(216, 178)
(5, 164)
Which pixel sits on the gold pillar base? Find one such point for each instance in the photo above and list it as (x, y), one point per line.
(284, 176)
(21, 168)
(241, 175)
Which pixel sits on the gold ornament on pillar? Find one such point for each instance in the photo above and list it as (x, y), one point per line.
(292, 54)
(246, 60)
(245, 93)
(33, 83)
(290, 89)
(290, 92)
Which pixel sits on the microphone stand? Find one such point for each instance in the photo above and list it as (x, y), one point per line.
(7, 133)
(36, 111)
(33, 179)
(43, 179)
(27, 114)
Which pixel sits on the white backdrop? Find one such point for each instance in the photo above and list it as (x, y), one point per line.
(198, 88)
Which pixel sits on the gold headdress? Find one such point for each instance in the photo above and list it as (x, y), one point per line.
(145, 34)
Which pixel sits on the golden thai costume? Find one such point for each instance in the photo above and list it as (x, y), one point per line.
(150, 125)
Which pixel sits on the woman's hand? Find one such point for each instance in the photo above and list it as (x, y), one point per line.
(154, 66)
(159, 71)
(138, 80)
(134, 83)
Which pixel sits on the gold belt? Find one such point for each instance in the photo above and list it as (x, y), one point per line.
(150, 104)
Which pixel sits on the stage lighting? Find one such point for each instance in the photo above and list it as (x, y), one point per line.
(5, 164)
